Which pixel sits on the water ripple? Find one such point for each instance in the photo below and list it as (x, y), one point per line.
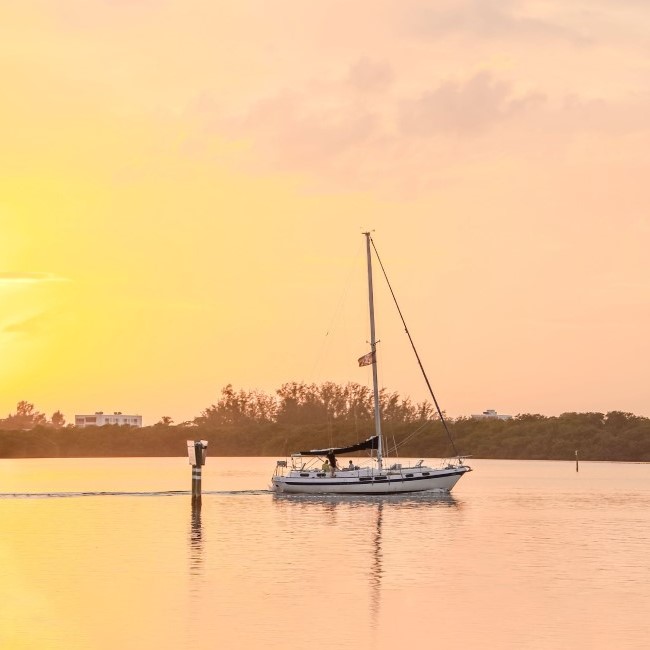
(162, 493)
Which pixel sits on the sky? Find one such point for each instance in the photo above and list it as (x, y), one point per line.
(184, 184)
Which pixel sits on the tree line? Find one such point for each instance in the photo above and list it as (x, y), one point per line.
(27, 417)
(301, 416)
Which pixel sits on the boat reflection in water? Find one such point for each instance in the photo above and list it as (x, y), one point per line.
(360, 518)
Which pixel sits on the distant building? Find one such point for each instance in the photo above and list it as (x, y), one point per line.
(491, 414)
(99, 419)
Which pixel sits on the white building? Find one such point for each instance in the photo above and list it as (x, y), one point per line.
(99, 418)
(491, 414)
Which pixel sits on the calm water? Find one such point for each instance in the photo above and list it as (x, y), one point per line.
(523, 555)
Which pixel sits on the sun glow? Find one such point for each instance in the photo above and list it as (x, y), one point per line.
(182, 219)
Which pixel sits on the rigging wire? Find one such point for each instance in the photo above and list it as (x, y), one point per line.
(408, 438)
(333, 326)
(336, 316)
(417, 356)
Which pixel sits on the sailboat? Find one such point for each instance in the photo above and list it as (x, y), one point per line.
(382, 476)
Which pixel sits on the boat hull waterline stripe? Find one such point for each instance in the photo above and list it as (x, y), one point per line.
(355, 481)
(440, 483)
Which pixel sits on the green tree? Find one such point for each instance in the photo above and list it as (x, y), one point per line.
(57, 419)
(25, 417)
(238, 407)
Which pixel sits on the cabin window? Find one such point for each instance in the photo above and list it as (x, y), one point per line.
(320, 475)
(380, 478)
(408, 475)
(303, 474)
(425, 473)
(365, 478)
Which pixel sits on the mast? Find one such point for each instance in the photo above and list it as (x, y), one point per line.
(373, 348)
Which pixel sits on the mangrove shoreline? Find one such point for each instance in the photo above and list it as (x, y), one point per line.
(615, 436)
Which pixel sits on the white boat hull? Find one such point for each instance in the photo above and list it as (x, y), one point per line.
(427, 479)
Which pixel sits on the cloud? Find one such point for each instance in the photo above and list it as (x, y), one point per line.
(32, 325)
(372, 129)
(370, 76)
(464, 108)
(27, 277)
(302, 131)
(490, 20)
(627, 116)
(303, 128)
(326, 129)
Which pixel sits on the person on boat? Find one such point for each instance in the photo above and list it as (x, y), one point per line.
(350, 466)
(332, 461)
(326, 466)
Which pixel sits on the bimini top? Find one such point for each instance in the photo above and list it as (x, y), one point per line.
(370, 443)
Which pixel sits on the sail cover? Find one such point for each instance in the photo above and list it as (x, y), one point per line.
(370, 443)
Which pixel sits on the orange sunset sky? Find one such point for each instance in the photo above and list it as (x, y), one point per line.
(184, 183)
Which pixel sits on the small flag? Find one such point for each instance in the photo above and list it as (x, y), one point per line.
(367, 359)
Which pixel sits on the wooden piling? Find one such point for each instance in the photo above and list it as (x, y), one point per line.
(196, 485)
(196, 451)
(577, 460)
